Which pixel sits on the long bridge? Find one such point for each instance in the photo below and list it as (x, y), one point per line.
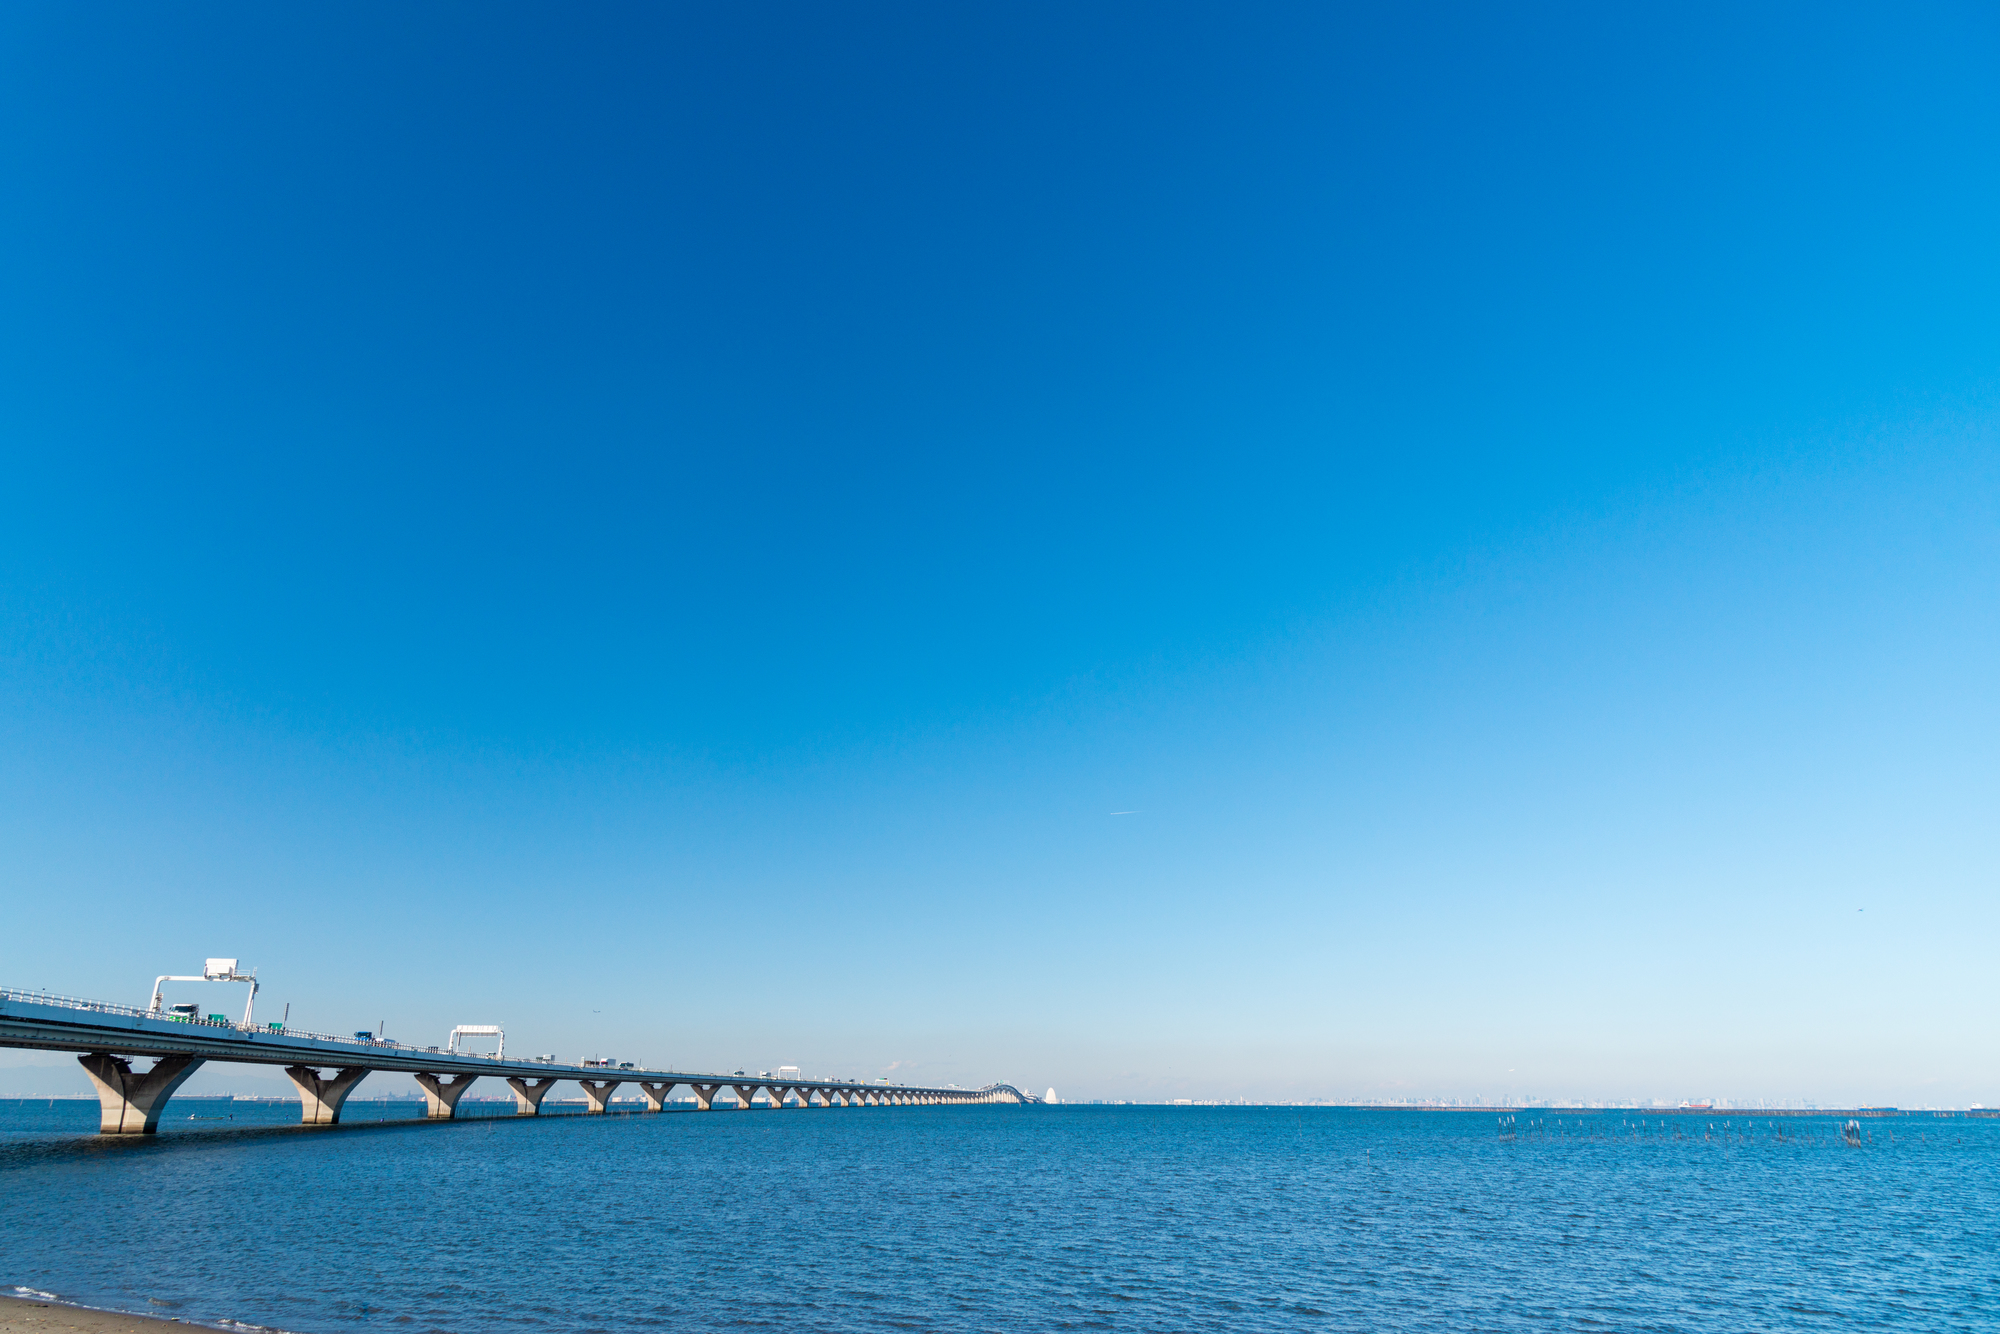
(326, 1067)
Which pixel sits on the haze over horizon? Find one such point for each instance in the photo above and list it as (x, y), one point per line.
(1163, 552)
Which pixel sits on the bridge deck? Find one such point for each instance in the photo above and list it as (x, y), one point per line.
(54, 1023)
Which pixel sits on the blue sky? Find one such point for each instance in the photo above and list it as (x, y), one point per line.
(676, 531)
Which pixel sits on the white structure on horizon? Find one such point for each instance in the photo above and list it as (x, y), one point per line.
(1050, 1097)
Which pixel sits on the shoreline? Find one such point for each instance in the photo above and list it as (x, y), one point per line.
(44, 1315)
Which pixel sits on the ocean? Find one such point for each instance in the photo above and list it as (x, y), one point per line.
(1009, 1219)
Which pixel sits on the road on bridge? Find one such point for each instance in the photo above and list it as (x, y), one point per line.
(326, 1068)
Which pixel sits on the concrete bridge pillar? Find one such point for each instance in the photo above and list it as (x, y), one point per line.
(441, 1094)
(598, 1094)
(704, 1095)
(744, 1093)
(320, 1099)
(656, 1095)
(130, 1104)
(528, 1094)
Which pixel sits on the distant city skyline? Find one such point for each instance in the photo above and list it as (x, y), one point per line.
(1307, 553)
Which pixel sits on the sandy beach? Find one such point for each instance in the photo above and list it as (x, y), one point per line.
(25, 1315)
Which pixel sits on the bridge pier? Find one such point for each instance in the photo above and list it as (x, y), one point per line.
(656, 1095)
(130, 1104)
(528, 1094)
(704, 1095)
(744, 1093)
(320, 1099)
(598, 1095)
(441, 1094)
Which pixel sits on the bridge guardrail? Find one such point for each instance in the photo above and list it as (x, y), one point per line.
(140, 1012)
(388, 1044)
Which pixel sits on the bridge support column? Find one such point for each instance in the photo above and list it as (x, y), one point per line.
(320, 1099)
(441, 1094)
(656, 1095)
(744, 1093)
(704, 1095)
(130, 1103)
(598, 1095)
(528, 1094)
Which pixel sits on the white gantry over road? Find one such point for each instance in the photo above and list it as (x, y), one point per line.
(327, 1067)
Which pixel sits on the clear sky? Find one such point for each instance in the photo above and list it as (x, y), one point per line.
(1159, 550)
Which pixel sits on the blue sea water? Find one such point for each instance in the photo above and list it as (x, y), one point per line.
(1009, 1218)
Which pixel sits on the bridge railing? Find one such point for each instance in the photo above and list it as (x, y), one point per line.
(382, 1044)
(226, 1025)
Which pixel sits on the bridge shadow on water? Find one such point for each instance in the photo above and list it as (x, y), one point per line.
(40, 1131)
